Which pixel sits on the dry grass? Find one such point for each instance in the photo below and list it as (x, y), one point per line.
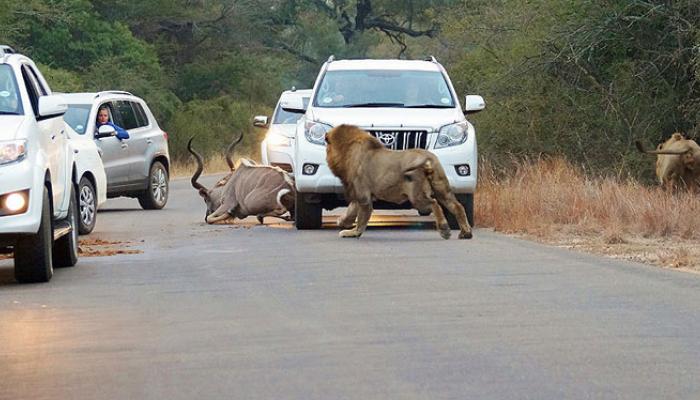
(556, 203)
(212, 165)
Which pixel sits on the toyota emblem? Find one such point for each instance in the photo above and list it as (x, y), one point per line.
(387, 138)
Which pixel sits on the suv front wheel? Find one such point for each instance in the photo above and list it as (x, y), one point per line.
(33, 257)
(307, 215)
(156, 194)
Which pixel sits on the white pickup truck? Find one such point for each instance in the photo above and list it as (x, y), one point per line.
(38, 207)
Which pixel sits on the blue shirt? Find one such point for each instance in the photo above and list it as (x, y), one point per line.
(121, 132)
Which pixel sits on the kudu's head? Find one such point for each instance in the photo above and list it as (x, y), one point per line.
(212, 197)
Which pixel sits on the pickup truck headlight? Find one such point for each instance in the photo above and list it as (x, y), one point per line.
(277, 140)
(451, 135)
(315, 132)
(12, 150)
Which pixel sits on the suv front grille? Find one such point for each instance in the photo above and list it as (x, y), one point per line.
(402, 140)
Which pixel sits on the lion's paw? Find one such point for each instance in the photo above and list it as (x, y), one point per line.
(350, 233)
(445, 233)
(465, 235)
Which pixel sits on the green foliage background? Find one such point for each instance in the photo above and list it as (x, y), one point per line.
(578, 78)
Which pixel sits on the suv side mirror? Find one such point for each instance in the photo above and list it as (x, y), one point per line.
(294, 105)
(52, 106)
(473, 104)
(260, 121)
(105, 131)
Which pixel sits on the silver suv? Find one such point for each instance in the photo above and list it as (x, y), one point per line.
(137, 166)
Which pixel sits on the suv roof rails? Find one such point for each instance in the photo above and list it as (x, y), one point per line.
(431, 59)
(112, 92)
(331, 58)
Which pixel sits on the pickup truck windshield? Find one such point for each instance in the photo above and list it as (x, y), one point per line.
(383, 88)
(10, 103)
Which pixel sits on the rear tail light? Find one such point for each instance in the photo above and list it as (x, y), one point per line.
(165, 135)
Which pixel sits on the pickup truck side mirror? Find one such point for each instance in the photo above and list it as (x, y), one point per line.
(52, 106)
(105, 131)
(474, 104)
(260, 121)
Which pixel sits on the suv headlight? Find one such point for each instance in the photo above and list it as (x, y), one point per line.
(12, 150)
(451, 135)
(277, 140)
(315, 132)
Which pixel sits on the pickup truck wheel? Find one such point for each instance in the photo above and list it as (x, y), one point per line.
(467, 201)
(307, 215)
(156, 195)
(65, 249)
(87, 202)
(33, 258)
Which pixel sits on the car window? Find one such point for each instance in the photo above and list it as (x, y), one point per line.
(9, 92)
(141, 116)
(37, 81)
(127, 114)
(286, 117)
(77, 117)
(113, 116)
(31, 89)
(383, 88)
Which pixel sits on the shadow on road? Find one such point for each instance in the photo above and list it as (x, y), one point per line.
(7, 275)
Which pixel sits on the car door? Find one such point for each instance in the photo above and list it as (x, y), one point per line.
(53, 136)
(133, 123)
(115, 152)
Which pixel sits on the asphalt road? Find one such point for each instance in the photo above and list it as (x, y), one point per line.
(268, 312)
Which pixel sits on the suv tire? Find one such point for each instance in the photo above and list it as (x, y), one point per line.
(65, 249)
(87, 199)
(307, 215)
(33, 258)
(467, 201)
(156, 194)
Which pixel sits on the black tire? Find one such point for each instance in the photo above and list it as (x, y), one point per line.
(467, 201)
(87, 206)
(307, 215)
(65, 248)
(156, 194)
(33, 257)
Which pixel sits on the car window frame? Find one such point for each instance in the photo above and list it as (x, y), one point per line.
(32, 90)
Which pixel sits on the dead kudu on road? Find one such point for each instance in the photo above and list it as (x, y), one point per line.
(371, 172)
(250, 189)
(677, 162)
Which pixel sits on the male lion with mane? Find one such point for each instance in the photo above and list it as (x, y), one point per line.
(371, 172)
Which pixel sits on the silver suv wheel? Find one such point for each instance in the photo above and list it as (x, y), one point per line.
(156, 194)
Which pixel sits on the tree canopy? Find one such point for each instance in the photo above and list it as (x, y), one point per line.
(582, 78)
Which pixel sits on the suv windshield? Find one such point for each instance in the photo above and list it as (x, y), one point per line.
(384, 88)
(9, 95)
(286, 117)
(77, 116)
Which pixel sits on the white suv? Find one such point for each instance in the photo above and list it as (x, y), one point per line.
(405, 104)
(276, 149)
(38, 208)
(137, 166)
